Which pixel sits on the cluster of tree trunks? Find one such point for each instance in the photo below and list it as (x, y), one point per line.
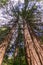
(33, 51)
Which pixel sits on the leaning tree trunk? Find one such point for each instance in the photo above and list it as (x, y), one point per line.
(5, 44)
(37, 45)
(31, 54)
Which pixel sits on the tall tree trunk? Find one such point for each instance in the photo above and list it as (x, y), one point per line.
(5, 44)
(37, 45)
(31, 54)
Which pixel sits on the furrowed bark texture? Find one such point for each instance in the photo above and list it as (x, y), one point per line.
(37, 46)
(33, 51)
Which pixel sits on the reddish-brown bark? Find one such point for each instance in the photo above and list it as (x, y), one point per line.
(37, 46)
(33, 51)
(5, 44)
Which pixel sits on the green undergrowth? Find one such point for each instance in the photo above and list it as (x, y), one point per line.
(7, 61)
(20, 59)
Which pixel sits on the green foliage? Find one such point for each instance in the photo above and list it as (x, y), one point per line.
(3, 32)
(38, 0)
(3, 1)
(20, 59)
(7, 61)
(26, 4)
